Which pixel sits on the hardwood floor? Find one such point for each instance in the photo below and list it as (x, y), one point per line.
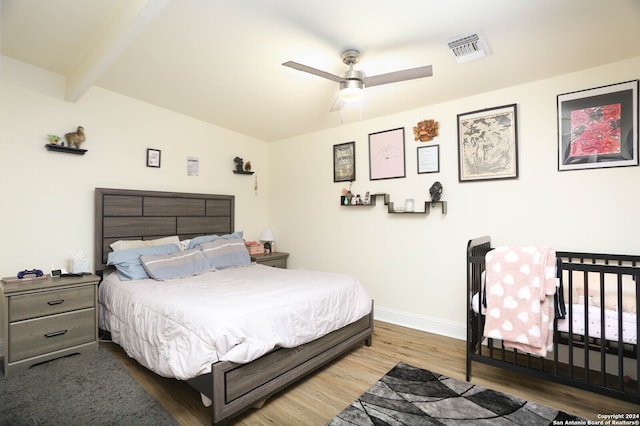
(318, 398)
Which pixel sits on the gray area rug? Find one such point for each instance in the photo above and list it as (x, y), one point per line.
(408, 395)
(86, 389)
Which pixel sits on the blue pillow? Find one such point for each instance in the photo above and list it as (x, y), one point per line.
(208, 238)
(127, 262)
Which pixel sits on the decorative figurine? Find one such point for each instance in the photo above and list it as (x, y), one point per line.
(54, 139)
(75, 138)
(239, 164)
(436, 192)
(247, 166)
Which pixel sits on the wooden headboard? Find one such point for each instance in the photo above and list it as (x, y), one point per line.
(125, 214)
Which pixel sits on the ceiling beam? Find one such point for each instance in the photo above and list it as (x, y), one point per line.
(116, 36)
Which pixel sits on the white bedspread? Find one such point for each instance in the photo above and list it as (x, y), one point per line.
(178, 328)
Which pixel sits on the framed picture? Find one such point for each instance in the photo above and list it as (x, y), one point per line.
(153, 157)
(598, 127)
(386, 154)
(488, 144)
(344, 162)
(429, 159)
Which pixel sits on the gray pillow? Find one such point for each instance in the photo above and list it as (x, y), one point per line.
(176, 265)
(223, 253)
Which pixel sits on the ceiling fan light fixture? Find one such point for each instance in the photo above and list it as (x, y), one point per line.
(353, 82)
(351, 90)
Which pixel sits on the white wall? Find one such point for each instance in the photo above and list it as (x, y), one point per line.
(414, 266)
(47, 198)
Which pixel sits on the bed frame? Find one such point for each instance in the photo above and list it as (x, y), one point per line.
(132, 214)
(585, 361)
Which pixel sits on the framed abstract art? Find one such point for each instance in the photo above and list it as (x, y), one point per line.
(598, 127)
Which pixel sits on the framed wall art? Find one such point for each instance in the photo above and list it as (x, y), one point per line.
(153, 157)
(386, 154)
(488, 144)
(598, 127)
(344, 162)
(429, 159)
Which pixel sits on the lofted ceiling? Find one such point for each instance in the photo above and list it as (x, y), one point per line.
(221, 61)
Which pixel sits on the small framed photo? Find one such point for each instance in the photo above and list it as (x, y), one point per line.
(598, 127)
(153, 157)
(488, 144)
(344, 162)
(429, 159)
(386, 154)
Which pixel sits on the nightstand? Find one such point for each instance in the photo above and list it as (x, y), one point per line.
(276, 259)
(46, 319)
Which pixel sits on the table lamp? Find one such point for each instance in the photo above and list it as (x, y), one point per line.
(267, 237)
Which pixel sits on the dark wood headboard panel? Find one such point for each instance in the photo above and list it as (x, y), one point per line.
(125, 214)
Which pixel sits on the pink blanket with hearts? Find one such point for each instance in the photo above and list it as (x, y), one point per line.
(520, 284)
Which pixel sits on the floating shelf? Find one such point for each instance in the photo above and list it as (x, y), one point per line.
(243, 172)
(391, 208)
(67, 149)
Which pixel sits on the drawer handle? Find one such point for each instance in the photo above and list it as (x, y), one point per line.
(55, 302)
(56, 333)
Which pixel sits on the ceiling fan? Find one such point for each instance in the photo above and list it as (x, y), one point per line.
(353, 82)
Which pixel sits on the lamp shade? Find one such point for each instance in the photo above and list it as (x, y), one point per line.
(351, 90)
(267, 235)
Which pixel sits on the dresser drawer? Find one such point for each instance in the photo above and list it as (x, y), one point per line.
(42, 335)
(276, 263)
(35, 305)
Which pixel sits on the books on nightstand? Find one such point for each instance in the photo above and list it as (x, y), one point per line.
(254, 247)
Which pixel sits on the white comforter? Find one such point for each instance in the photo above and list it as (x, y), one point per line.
(178, 328)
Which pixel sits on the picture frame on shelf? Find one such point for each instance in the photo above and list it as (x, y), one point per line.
(153, 157)
(344, 162)
(598, 127)
(428, 159)
(488, 144)
(386, 154)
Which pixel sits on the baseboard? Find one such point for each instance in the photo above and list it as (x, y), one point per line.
(420, 322)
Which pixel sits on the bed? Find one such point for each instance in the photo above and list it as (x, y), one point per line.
(232, 369)
(593, 325)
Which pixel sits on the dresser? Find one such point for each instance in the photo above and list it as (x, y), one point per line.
(276, 259)
(46, 319)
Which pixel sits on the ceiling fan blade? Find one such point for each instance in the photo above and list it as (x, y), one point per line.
(313, 71)
(337, 104)
(392, 77)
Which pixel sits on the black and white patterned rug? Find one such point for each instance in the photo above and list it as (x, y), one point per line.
(408, 395)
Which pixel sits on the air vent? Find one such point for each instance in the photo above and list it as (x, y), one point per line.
(468, 47)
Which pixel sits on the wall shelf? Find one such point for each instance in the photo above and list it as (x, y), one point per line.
(66, 149)
(243, 172)
(391, 209)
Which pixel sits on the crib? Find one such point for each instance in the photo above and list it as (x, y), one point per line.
(595, 340)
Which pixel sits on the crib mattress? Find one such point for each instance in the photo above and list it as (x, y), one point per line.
(593, 319)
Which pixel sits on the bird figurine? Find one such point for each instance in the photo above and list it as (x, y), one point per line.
(75, 138)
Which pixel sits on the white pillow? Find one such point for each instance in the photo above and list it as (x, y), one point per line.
(129, 244)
